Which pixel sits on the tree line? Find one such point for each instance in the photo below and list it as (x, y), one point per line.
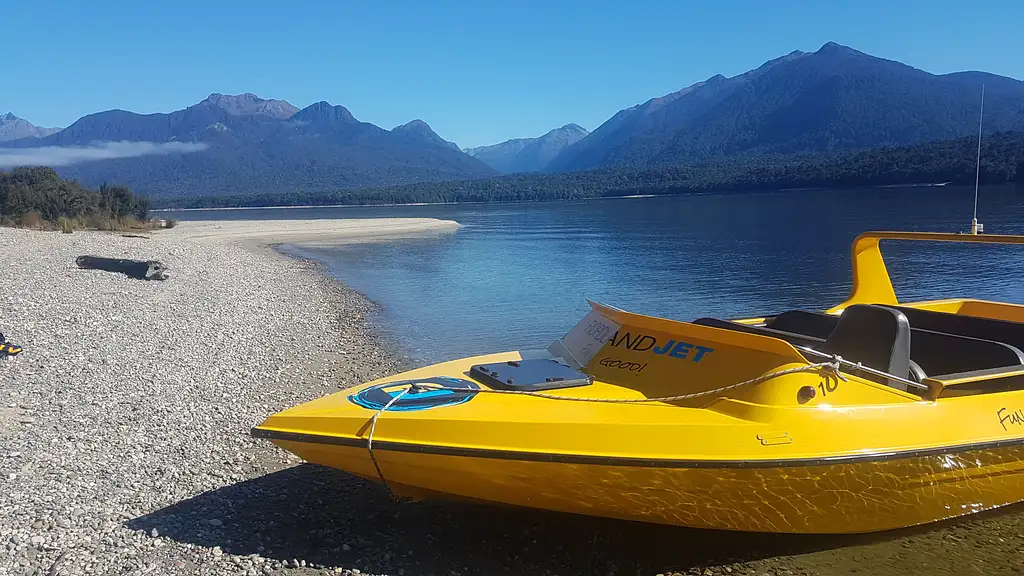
(28, 195)
(947, 161)
(40, 197)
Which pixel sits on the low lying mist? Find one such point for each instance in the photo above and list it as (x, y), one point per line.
(68, 155)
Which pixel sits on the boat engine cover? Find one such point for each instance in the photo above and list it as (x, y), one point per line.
(532, 374)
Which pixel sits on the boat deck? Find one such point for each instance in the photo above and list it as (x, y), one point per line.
(950, 352)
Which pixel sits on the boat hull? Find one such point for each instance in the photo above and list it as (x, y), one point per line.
(867, 493)
(850, 420)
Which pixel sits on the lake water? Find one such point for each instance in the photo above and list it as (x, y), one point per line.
(518, 275)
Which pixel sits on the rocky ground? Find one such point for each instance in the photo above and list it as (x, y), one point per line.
(124, 445)
(133, 397)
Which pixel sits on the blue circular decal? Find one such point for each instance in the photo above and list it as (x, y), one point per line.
(376, 397)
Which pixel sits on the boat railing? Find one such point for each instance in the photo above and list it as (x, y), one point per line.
(871, 282)
(857, 366)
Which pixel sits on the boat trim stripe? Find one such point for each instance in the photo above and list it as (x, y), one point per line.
(625, 460)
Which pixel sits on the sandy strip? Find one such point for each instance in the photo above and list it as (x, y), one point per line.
(324, 231)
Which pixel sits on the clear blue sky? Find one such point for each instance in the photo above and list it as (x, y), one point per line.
(478, 71)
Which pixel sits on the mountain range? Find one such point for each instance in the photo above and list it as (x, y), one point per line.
(14, 128)
(835, 99)
(528, 154)
(243, 144)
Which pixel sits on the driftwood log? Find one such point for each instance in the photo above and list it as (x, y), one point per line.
(139, 269)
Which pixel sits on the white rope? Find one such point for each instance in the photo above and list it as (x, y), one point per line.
(369, 440)
(829, 368)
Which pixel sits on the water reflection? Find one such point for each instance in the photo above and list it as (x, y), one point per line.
(518, 275)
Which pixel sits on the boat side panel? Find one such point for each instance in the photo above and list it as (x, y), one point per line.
(661, 361)
(727, 431)
(994, 310)
(838, 498)
(971, 307)
(664, 325)
(661, 358)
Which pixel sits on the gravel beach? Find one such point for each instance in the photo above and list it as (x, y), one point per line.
(125, 447)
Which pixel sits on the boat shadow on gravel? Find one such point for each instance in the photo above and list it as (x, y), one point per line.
(327, 517)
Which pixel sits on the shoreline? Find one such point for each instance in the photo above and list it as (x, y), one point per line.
(308, 232)
(391, 349)
(413, 204)
(133, 399)
(596, 198)
(125, 447)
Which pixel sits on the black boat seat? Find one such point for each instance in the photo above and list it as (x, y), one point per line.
(814, 324)
(1004, 331)
(792, 338)
(863, 338)
(940, 353)
(875, 336)
(820, 325)
(936, 352)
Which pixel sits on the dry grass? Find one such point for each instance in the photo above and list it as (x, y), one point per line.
(34, 220)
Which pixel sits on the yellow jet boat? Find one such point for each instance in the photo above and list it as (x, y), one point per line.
(868, 416)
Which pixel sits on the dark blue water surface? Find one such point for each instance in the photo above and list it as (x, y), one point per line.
(518, 275)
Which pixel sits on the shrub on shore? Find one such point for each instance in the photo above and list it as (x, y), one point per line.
(40, 198)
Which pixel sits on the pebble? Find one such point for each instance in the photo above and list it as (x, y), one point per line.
(133, 397)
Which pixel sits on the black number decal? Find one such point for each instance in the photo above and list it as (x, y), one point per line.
(828, 384)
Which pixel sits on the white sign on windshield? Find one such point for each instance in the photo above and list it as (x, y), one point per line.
(584, 340)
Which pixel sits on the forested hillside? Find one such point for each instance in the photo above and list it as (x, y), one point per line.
(40, 197)
(950, 161)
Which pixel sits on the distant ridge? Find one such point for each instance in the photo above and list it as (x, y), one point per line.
(249, 104)
(14, 128)
(418, 129)
(836, 98)
(528, 154)
(244, 144)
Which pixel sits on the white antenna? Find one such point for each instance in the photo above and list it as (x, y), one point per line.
(975, 227)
